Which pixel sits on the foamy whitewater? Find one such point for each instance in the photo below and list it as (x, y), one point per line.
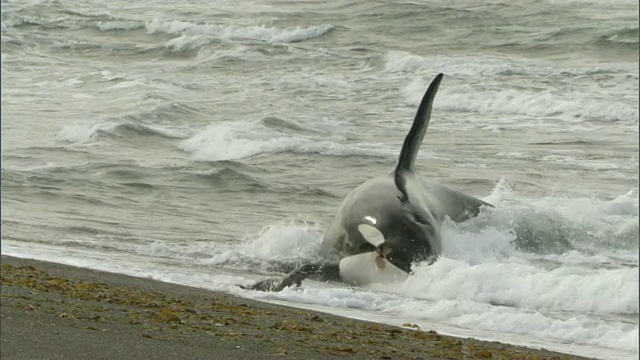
(209, 143)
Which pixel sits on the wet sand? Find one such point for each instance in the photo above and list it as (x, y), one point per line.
(53, 311)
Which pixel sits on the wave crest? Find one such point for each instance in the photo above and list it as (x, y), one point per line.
(85, 132)
(191, 35)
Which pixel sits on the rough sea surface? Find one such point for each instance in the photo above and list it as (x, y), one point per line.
(205, 142)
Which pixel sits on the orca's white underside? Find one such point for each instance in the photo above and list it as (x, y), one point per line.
(368, 268)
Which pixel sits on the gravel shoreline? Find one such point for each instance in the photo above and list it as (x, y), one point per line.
(53, 311)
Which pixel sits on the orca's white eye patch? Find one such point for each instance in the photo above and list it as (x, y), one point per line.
(371, 219)
(371, 234)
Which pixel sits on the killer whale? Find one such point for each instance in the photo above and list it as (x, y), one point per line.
(387, 223)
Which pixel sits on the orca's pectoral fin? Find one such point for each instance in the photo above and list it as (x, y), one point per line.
(323, 271)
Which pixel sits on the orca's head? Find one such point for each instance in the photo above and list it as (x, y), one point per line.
(408, 237)
(386, 246)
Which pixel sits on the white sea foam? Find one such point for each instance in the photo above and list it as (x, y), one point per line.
(232, 140)
(82, 133)
(119, 25)
(275, 243)
(513, 283)
(191, 35)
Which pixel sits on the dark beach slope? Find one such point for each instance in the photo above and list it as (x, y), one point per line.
(52, 311)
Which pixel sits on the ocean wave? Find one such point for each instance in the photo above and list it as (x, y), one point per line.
(243, 139)
(18, 21)
(275, 243)
(187, 36)
(104, 49)
(53, 15)
(191, 35)
(85, 132)
(538, 104)
(169, 111)
(118, 25)
(628, 37)
(14, 21)
(231, 141)
(284, 125)
(167, 108)
(527, 286)
(406, 62)
(228, 176)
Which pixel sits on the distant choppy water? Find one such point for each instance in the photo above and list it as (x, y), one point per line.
(200, 142)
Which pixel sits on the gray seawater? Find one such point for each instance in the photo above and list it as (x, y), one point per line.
(203, 142)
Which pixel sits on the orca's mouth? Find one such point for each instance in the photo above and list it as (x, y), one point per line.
(384, 251)
(385, 254)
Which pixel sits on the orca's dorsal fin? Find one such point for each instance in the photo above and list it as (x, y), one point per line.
(414, 138)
